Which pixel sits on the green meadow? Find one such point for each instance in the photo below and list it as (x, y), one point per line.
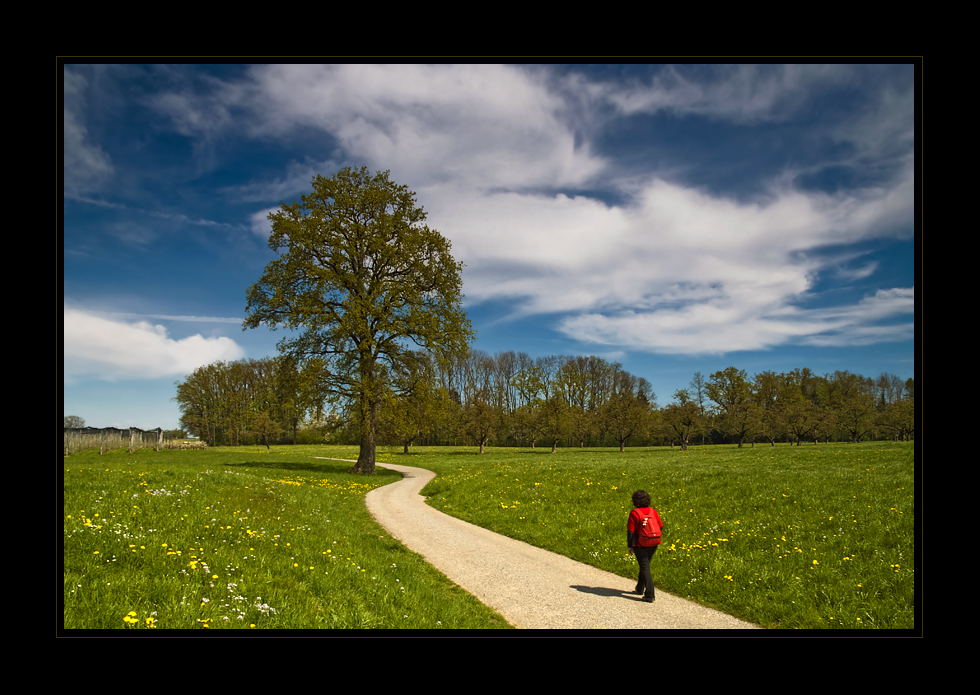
(817, 537)
(242, 538)
(247, 538)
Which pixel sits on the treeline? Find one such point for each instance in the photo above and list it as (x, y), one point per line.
(244, 402)
(511, 399)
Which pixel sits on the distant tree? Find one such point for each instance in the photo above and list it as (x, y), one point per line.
(482, 420)
(528, 380)
(898, 418)
(527, 384)
(218, 401)
(826, 425)
(526, 425)
(767, 390)
(699, 394)
(628, 410)
(803, 418)
(803, 410)
(571, 382)
(852, 400)
(73, 421)
(289, 398)
(554, 419)
(730, 390)
(888, 389)
(504, 369)
(682, 419)
(553, 414)
(200, 398)
(241, 384)
(359, 277)
(416, 403)
(264, 427)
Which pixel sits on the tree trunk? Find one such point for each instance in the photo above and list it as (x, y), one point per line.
(554, 446)
(365, 457)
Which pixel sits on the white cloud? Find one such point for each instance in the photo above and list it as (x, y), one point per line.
(675, 269)
(680, 271)
(478, 125)
(260, 224)
(100, 348)
(727, 326)
(555, 253)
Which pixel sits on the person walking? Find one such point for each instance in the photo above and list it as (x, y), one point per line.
(643, 532)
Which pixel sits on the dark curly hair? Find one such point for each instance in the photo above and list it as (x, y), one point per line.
(641, 499)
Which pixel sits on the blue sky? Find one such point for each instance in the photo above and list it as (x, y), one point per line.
(673, 218)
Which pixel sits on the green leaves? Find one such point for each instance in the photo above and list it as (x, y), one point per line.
(361, 278)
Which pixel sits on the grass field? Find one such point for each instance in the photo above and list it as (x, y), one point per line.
(788, 537)
(241, 538)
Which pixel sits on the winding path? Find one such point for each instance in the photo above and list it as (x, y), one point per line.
(532, 588)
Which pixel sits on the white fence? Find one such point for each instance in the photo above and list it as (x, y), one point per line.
(107, 438)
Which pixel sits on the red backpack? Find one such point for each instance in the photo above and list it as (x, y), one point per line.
(648, 528)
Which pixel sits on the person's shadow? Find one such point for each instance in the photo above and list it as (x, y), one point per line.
(605, 591)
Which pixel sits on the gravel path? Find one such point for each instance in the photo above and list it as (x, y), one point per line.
(532, 588)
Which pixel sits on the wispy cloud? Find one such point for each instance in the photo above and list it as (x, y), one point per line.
(87, 166)
(742, 94)
(183, 319)
(719, 327)
(157, 214)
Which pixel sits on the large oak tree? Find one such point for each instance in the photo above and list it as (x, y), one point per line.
(360, 278)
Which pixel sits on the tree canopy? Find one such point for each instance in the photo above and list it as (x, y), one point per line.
(360, 278)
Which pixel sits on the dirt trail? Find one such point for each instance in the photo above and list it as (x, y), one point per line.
(532, 588)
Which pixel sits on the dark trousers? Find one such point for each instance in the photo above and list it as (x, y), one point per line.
(645, 580)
